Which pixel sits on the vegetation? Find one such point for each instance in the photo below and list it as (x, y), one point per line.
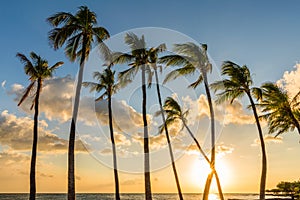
(153, 60)
(291, 189)
(174, 113)
(138, 60)
(78, 32)
(238, 84)
(191, 58)
(281, 111)
(106, 85)
(38, 70)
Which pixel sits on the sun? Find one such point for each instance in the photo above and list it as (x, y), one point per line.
(200, 169)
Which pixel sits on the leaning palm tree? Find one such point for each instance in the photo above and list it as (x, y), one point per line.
(78, 32)
(238, 84)
(106, 85)
(191, 58)
(38, 70)
(282, 111)
(174, 114)
(138, 60)
(153, 59)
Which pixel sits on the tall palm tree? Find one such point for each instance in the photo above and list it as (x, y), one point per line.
(174, 113)
(138, 60)
(106, 84)
(191, 57)
(38, 70)
(238, 84)
(282, 111)
(153, 59)
(78, 32)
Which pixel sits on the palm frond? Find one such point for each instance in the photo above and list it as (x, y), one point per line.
(26, 93)
(257, 93)
(134, 41)
(72, 46)
(58, 36)
(60, 18)
(175, 60)
(197, 82)
(189, 69)
(122, 58)
(101, 34)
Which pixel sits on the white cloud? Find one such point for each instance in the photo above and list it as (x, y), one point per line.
(16, 134)
(3, 84)
(290, 80)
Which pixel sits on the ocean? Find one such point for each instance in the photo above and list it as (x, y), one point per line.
(131, 196)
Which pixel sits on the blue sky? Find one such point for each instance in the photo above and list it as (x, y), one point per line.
(264, 35)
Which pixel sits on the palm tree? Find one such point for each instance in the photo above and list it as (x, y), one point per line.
(174, 113)
(138, 59)
(38, 70)
(282, 111)
(106, 83)
(78, 32)
(238, 84)
(190, 57)
(153, 59)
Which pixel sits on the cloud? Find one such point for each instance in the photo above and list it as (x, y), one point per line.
(16, 134)
(106, 151)
(155, 142)
(225, 113)
(55, 99)
(125, 118)
(223, 149)
(10, 158)
(268, 139)
(121, 140)
(56, 103)
(290, 80)
(3, 84)
(192, 148)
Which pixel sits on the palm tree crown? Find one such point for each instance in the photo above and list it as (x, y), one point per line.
(282, 111)
(190, 57)
(37, 69)
(106, 84)
(238, 83)
(78, 31)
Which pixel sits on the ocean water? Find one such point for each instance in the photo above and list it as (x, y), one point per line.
(131, 196)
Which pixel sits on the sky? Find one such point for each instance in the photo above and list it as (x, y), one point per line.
(262, 35)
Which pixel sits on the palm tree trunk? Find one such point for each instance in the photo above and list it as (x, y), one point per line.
(71, 150)
(263, 150)
(167, 136)
(148, 193)
(212, 125)
(207, 160)
(117, 193)
(34, 143)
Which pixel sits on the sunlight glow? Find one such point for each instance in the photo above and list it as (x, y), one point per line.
(200, 169)
(213, 197)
